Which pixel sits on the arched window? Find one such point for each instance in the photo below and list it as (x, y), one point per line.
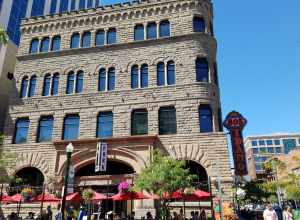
(105, 124)
(171, 73)
(160, 74)
(24, 87)
(102, 80)
(205, 119)
(134, 76)
(34, 45)
(21, 130)
(111, 36)
(139, 32)
(45, 129)
(55, 84)
(202, 70)
(86, 39)
(79, 81)
(199, 24)
(151, 30)
(75, 40)
(139, 122)
(167, 120)
(47, 85)
(63, 6)
(100, 38)
(164, 28)
(71, 127)
(111, 79)
(45, 44)
(55, 43)
(70, 82)
(81, 4)
(144, 75)
(32, 86)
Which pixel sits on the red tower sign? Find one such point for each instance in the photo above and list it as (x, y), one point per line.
(235, 123)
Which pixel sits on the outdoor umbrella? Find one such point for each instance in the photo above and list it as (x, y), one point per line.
(73, 197)
(6, 199)
(46, 198)
(98, 197)
(16, 198)
(129, 196)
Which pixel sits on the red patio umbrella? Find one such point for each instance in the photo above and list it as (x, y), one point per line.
(98, 196)
(129, 196)
(6, 199)
(16, 198)
(74, 197)
(47, 198)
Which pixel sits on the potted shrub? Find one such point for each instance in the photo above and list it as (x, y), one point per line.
(27, 193)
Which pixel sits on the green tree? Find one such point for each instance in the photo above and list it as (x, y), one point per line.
(162, 176)
(3, 36)
(256, 193)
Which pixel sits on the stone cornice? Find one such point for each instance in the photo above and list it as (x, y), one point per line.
(110, 13)
(119, 46)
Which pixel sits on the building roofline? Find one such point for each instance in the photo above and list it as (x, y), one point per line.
(279, 135)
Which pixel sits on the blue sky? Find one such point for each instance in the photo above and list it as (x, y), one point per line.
(259, 62)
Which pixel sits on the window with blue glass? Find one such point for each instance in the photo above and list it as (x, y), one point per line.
(98, 3)
(263, 150)
(21, 130)
(277, 142)
(111, 79)
(70, 82)
(100, 38)
(75, 39)
(55, 84)
(73, 5)
(254, 143)
(220, 120)
(205, 119)
(81, 4)
(211, 29)
(171, 73)
(16, 14)
(144, 75)
(139, 122)
(164, 28)
(55, 46)
(71, 127)
(216, 74)
(53, 7)
(32, 86)
(105, 124)
(139, 32)
(258, 167)
(89, 3)
(167, 120)
(47, 85)
(102, 80)
(134, 76)
(289, 145)
(255, 150)
(261, 142)
(271, 150)
(111, 36)
(37, 8)
(269, 142)
(79, 82)
(86, 39)
(202, 70)
(1, 2)
(63, 6)
(299, 141)
(161, 74)
(151, 30)
(45, 44)
(24, 87)
(34, 46)
(278, 150)
(45, 129)
(199, 24)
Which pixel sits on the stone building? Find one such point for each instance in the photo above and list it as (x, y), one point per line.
(138, 76)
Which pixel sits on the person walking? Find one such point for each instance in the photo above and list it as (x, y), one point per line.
(49, 213)
(269, 213)
(290, 214)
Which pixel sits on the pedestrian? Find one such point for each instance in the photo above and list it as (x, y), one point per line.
(149, 216)
(203, 215)
(58, 215)
(290, 213)
(175, 216)
(197, 217)
(192, 215)
(49, 212)
(269, 213)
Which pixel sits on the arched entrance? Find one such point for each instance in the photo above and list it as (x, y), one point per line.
(199, 171)
(105, 182)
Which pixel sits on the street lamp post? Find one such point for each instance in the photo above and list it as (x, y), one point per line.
(69, 150)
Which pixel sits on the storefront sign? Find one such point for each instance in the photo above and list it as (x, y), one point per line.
(235, 123)
(101, 157)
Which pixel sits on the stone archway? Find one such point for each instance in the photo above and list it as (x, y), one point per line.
(31, 176)
(201, 180)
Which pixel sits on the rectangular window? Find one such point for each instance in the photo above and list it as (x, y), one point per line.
(100, 38)
(299, 141)
(71, 127)
(261, 143)
(277, 142)
(263, 150)
(205, 119)
(152, 31)
(37, 8)
(271, 150)
(278, 150)
(63, 6)
(81, 4)
(1, 1)
(112, 36)
(255, 150)
(258, 167)
(45, 129)
(105, 125)
(73, 5)
(139, 122)
(53, 7)
(89, 3)
(167, 120)
(269, 142)
(289, 145)
(21, 130)
(139, 32)
(254, 143)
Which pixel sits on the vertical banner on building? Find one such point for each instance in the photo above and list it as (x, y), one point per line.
(235, 123)
(101, 157)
